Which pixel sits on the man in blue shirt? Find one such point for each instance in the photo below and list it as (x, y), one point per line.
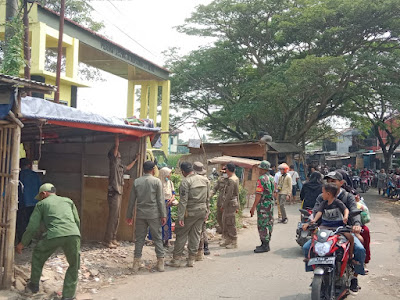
(28, 189)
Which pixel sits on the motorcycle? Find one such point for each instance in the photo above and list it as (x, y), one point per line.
(364, 185)
(329, 257)
(302, 236)
(356, 182)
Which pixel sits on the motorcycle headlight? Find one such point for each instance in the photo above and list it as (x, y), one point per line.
(322, 248)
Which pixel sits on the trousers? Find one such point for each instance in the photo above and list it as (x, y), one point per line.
(203, 236)
(281, 203)
(359, 255)
(114, 211)
(219, 219)
(229, 222)
(141, 228)
(71, 246)
(265, 219)
(190, 232)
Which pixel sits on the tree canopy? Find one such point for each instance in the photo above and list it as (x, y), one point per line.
(283, 67)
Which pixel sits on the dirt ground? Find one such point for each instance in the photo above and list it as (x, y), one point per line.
(100, 267)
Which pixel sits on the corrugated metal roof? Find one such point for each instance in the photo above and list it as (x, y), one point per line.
(284, 147)
(17, 80)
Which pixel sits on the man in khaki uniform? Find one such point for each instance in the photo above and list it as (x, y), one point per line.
(114, 196)
(284, 190)
(147, 194)
(230, 207)
(192, 212)
(198, 168)
(220, 187)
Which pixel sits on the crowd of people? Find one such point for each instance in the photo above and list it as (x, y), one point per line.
(329, 194)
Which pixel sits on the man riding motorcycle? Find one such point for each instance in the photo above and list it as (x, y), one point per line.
(359, 251)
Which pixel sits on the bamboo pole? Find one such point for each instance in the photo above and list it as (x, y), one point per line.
(12, 213)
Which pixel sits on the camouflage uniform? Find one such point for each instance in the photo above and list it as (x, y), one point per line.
(265, 208)
(230, 205)
(220, 187)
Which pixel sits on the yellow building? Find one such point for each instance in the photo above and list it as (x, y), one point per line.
(83, 45)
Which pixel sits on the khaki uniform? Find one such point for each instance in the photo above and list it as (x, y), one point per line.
(114, 197)
(220, 187)
(194, 194)
(230, 205)
(284, 190)
(147, 194)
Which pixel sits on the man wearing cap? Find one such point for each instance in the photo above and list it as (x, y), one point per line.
(284, 190)
(350, 202)
(114, 196)
(220, 187)
(198, 168)
(61, 220)
(230, 207)
(193, 208)
(264, 203)
(147, 193)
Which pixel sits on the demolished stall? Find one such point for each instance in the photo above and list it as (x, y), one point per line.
(71, 148)
(11, 89)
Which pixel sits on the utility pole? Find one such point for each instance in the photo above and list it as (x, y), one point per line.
(59, 56)
(27, 52)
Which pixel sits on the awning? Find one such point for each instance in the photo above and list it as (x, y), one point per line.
(57, 114)
(241, 162)
(337, 157)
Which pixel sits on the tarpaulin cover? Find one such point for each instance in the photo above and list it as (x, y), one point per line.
(36, 108)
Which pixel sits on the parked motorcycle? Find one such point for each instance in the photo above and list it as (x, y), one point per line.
(302, 236)
(329, 257)
(356, 182)
(364, 185)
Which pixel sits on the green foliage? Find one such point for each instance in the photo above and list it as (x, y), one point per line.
(79, 11)
(173, 160)
(13, 60)
(283, 67)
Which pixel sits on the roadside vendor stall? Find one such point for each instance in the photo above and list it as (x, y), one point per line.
(248, 175)
(70, 147)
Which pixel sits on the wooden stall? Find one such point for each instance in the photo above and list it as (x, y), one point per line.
(11, 89)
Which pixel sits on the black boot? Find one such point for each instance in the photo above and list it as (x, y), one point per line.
(258, 247)
(206, 250)
(264, 248)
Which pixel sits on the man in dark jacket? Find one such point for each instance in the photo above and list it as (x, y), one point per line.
(311, 190)
(350, 202)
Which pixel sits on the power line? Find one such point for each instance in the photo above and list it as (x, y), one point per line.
(119, 29)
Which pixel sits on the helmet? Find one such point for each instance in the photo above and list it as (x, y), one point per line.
(265, 165)
(283, 166)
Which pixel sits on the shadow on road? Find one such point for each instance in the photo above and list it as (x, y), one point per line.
(294, 252)
(296, 297)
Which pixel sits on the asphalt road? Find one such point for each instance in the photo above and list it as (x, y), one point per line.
(279, 274)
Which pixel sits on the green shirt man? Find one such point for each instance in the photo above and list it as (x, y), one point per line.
(61, 220)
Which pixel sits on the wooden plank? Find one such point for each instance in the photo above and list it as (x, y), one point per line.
(95, 210)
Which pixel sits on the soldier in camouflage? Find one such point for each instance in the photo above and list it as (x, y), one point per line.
(264, 204)
(220, 187)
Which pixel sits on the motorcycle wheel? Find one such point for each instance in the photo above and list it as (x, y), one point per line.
(316, 288)
(363, 188)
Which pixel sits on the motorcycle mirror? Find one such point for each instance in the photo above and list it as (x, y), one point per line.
(304, 212)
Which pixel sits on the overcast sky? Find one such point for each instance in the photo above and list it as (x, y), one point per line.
(150, 27)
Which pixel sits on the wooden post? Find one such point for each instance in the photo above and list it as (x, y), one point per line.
(12, 213)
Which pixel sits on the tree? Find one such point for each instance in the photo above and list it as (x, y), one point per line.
(78, 11)
(377, 104)
(283, 67)
(81, 12)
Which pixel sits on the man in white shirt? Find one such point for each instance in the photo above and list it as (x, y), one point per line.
(295, 176)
